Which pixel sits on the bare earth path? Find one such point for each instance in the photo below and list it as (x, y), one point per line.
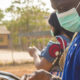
(8, 56)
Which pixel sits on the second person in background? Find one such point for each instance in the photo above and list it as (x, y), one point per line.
(53, 49)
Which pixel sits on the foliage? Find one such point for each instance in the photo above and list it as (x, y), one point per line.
(40, 43)
(1, 15)
(26, 18)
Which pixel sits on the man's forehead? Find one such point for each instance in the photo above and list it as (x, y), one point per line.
(64, 5)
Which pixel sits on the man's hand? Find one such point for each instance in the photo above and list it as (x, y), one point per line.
(38, 75)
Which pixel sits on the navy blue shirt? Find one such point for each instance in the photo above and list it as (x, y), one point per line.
(72, 63)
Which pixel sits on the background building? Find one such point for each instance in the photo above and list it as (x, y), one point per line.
(4, 37)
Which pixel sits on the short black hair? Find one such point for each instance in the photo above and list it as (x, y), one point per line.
(53, 21)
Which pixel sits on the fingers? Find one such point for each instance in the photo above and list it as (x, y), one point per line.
(31, 51)
(38, 75)
(24, 77)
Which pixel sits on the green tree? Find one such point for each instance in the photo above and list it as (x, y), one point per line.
(1, 15)
(26, 18)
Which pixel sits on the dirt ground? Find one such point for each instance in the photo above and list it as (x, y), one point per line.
(8, 56)
(19, 70)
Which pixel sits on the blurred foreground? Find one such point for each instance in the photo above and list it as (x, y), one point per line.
(19, 70)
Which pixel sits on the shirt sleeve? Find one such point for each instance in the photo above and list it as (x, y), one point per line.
(78, 56)
(49, 52)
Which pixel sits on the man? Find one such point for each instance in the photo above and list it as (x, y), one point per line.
(70, 20)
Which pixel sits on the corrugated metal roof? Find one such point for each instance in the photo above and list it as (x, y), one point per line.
(3, 30)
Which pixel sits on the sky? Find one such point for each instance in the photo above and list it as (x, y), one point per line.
(6, 3)
(48, 4)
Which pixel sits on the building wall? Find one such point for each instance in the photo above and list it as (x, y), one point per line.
(4, 41)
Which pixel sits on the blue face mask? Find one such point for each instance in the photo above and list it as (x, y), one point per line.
(52, 33)
(70, 20)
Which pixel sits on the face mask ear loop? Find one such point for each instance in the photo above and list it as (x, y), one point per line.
(77, 6)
